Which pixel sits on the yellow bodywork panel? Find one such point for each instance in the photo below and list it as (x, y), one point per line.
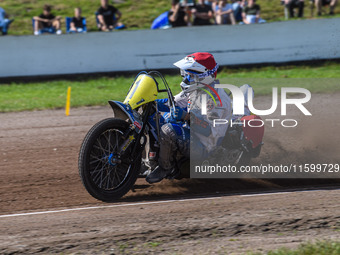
(144, 90)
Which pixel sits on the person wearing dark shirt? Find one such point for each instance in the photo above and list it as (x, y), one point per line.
(251, 13)
(252, 9)
(47, 22)
(108, 16)
(292, 4)
(238, 6)
(77, 22)
(203, 13)
(178, 15)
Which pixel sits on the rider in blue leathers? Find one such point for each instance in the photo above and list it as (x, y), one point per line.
(199, 73)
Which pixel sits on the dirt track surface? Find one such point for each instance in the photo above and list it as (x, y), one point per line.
(38, 171)
(219, 225)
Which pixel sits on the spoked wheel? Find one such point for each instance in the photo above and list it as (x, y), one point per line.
(105, 173)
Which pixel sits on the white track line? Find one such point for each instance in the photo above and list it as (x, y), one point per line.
(150, 203)
(106, 206)
(268, 194)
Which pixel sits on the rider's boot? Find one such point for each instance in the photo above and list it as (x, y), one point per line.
(147, 167)
(158, 174)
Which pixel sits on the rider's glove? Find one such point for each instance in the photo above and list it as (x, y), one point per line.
(179, 113)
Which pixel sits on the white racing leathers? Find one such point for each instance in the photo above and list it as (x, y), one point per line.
(181, 100)
(202, 138)
(205, 138)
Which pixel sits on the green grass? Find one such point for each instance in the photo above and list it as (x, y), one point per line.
(89, 92)
(44, 95)
(137, 14)
(152, 244)
(319, 248)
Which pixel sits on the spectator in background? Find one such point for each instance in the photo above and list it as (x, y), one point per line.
(203, 13)
(189, 3)
(4, 21)
(291, 4)
(77, 22)
(237, 8)
(224, 13)
(251, 13)
(211, 3)
(108, 16)
(47, 22)
(179, 14)
(320, 3)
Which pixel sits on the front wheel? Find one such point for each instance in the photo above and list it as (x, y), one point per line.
(105, 173)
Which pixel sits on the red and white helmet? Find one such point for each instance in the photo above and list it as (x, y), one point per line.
(197, 70)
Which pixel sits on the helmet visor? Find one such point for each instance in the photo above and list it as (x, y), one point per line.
(191, 75)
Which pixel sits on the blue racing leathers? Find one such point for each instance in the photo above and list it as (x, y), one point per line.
(174, 135)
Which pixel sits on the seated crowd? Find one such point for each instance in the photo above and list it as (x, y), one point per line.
(186, 13)
(207, 12)
(107, 18)
(182, 13)
(290, 5)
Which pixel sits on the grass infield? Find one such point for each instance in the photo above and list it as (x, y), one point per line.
(318, 248)
(90, 92)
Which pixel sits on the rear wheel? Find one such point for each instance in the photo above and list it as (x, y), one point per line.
(105, 173)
